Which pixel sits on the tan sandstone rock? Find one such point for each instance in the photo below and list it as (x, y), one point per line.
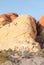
(19, 34)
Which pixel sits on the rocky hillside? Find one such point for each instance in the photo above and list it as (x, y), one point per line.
(21, 40)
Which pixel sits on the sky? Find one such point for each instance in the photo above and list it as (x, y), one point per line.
(34, 8)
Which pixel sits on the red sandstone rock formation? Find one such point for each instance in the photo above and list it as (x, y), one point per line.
(41, 21)
(7, 18)
(12, 16)
(34, 21)
(40, 30)
(4, 19)
(40, 25)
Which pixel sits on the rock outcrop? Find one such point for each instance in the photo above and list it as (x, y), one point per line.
(7, 18)
(12, 16)
(19, 34)
(40, 30)
(40, 25)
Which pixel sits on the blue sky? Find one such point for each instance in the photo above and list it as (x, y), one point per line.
(31, 7)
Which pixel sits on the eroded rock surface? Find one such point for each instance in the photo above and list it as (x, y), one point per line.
(19, 34)
(17, 40)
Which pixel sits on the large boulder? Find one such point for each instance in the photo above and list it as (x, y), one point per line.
(7, 18)
(19, 34)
